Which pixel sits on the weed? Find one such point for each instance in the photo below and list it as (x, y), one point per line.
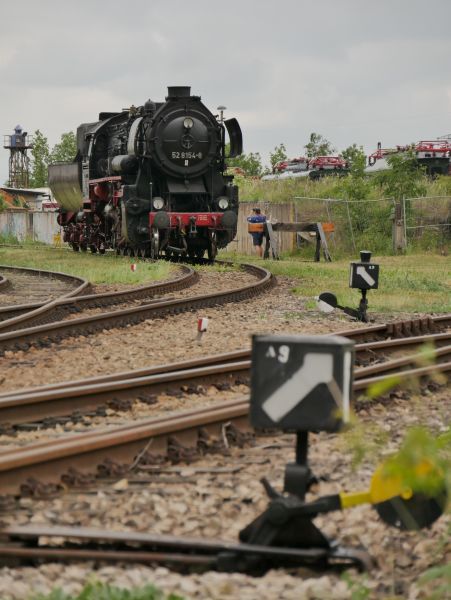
(359, 590)
(101, 591)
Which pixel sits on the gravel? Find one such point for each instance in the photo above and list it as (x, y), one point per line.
(219, 505)
(195, 500)
(169, 339)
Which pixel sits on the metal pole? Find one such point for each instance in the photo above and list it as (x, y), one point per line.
(350, 225)
(405, 221)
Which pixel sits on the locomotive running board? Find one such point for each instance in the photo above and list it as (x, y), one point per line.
(94, 544)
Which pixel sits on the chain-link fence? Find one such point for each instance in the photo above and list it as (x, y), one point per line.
(357, 224)
(427, 222)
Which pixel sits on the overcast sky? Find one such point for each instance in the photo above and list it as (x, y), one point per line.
(352, 70)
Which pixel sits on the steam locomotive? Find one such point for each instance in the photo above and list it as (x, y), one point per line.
(150, 181)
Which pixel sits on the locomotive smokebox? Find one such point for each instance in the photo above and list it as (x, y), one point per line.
(178, 91)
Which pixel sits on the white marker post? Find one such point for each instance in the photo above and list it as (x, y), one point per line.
(202, 326)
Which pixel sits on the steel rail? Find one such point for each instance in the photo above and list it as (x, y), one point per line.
(31, 407)
(4, 283)
(49, 460)
(96, 544)
(40, 313)
(63, 399)
(21, 339)
(83, 285)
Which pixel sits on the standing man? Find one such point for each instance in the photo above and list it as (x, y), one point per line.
(256, 228)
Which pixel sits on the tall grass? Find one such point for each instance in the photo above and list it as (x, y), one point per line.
(362, 223)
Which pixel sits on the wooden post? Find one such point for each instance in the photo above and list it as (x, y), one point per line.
(399, 241)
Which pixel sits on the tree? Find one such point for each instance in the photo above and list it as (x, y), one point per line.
(353, 154)
(65, 150)
(41, 156)
(357, 185)
(318, 146)
(404, 178)
(277, 155)
(250, 163)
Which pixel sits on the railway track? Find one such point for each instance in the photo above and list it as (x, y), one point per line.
(49, 460)
(19, 335)
(68, 398)
(44, 287)
(19, 317)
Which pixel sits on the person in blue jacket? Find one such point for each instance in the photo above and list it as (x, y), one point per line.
(257, 237)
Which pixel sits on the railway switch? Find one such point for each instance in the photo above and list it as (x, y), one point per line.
(301, 385)
(364, 276)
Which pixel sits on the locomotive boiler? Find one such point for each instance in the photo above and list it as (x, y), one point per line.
(151, 181)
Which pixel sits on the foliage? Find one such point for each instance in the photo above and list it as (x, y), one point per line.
(354, 153)
(422, 461)
(357, 186)
(404, 179)
(250, 163)
(359, 590)
(437, 580)
(65, 150)
(277, 155)
(41, 156)
(102, 591)
(3, 203)
(318, 146)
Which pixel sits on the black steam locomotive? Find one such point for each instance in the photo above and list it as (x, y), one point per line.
(150, 181)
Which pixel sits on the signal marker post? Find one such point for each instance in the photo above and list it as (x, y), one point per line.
(364, 276)
(202, 326)
(299, 384)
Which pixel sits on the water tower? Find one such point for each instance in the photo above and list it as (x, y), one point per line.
(19, 161)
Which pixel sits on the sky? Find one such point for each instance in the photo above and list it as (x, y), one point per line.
(354, 71)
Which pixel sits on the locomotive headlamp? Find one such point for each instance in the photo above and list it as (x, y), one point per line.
(158, 203)
(223, 202)
(188, 123)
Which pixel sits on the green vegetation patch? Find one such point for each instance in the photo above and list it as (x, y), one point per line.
(102, 591)
(106, 269)
(413, 283)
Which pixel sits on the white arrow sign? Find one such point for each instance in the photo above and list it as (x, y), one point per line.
(365, 276)
(317, 368)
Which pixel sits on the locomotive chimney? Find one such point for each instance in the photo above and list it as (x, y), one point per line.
(178, 91)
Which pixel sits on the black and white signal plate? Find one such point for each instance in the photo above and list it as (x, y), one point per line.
(301, 383)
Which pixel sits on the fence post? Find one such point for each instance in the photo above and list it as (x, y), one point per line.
(398, 232)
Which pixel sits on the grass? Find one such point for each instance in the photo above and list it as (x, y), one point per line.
(108, 268)
(410, 283)
(102, 591)
(413, 283)
(327, 187)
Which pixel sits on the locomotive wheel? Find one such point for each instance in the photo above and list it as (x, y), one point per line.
(102, 250)
(83, 247)
(200, 253)
(75, 247)
(93, 248)
(123, 251)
